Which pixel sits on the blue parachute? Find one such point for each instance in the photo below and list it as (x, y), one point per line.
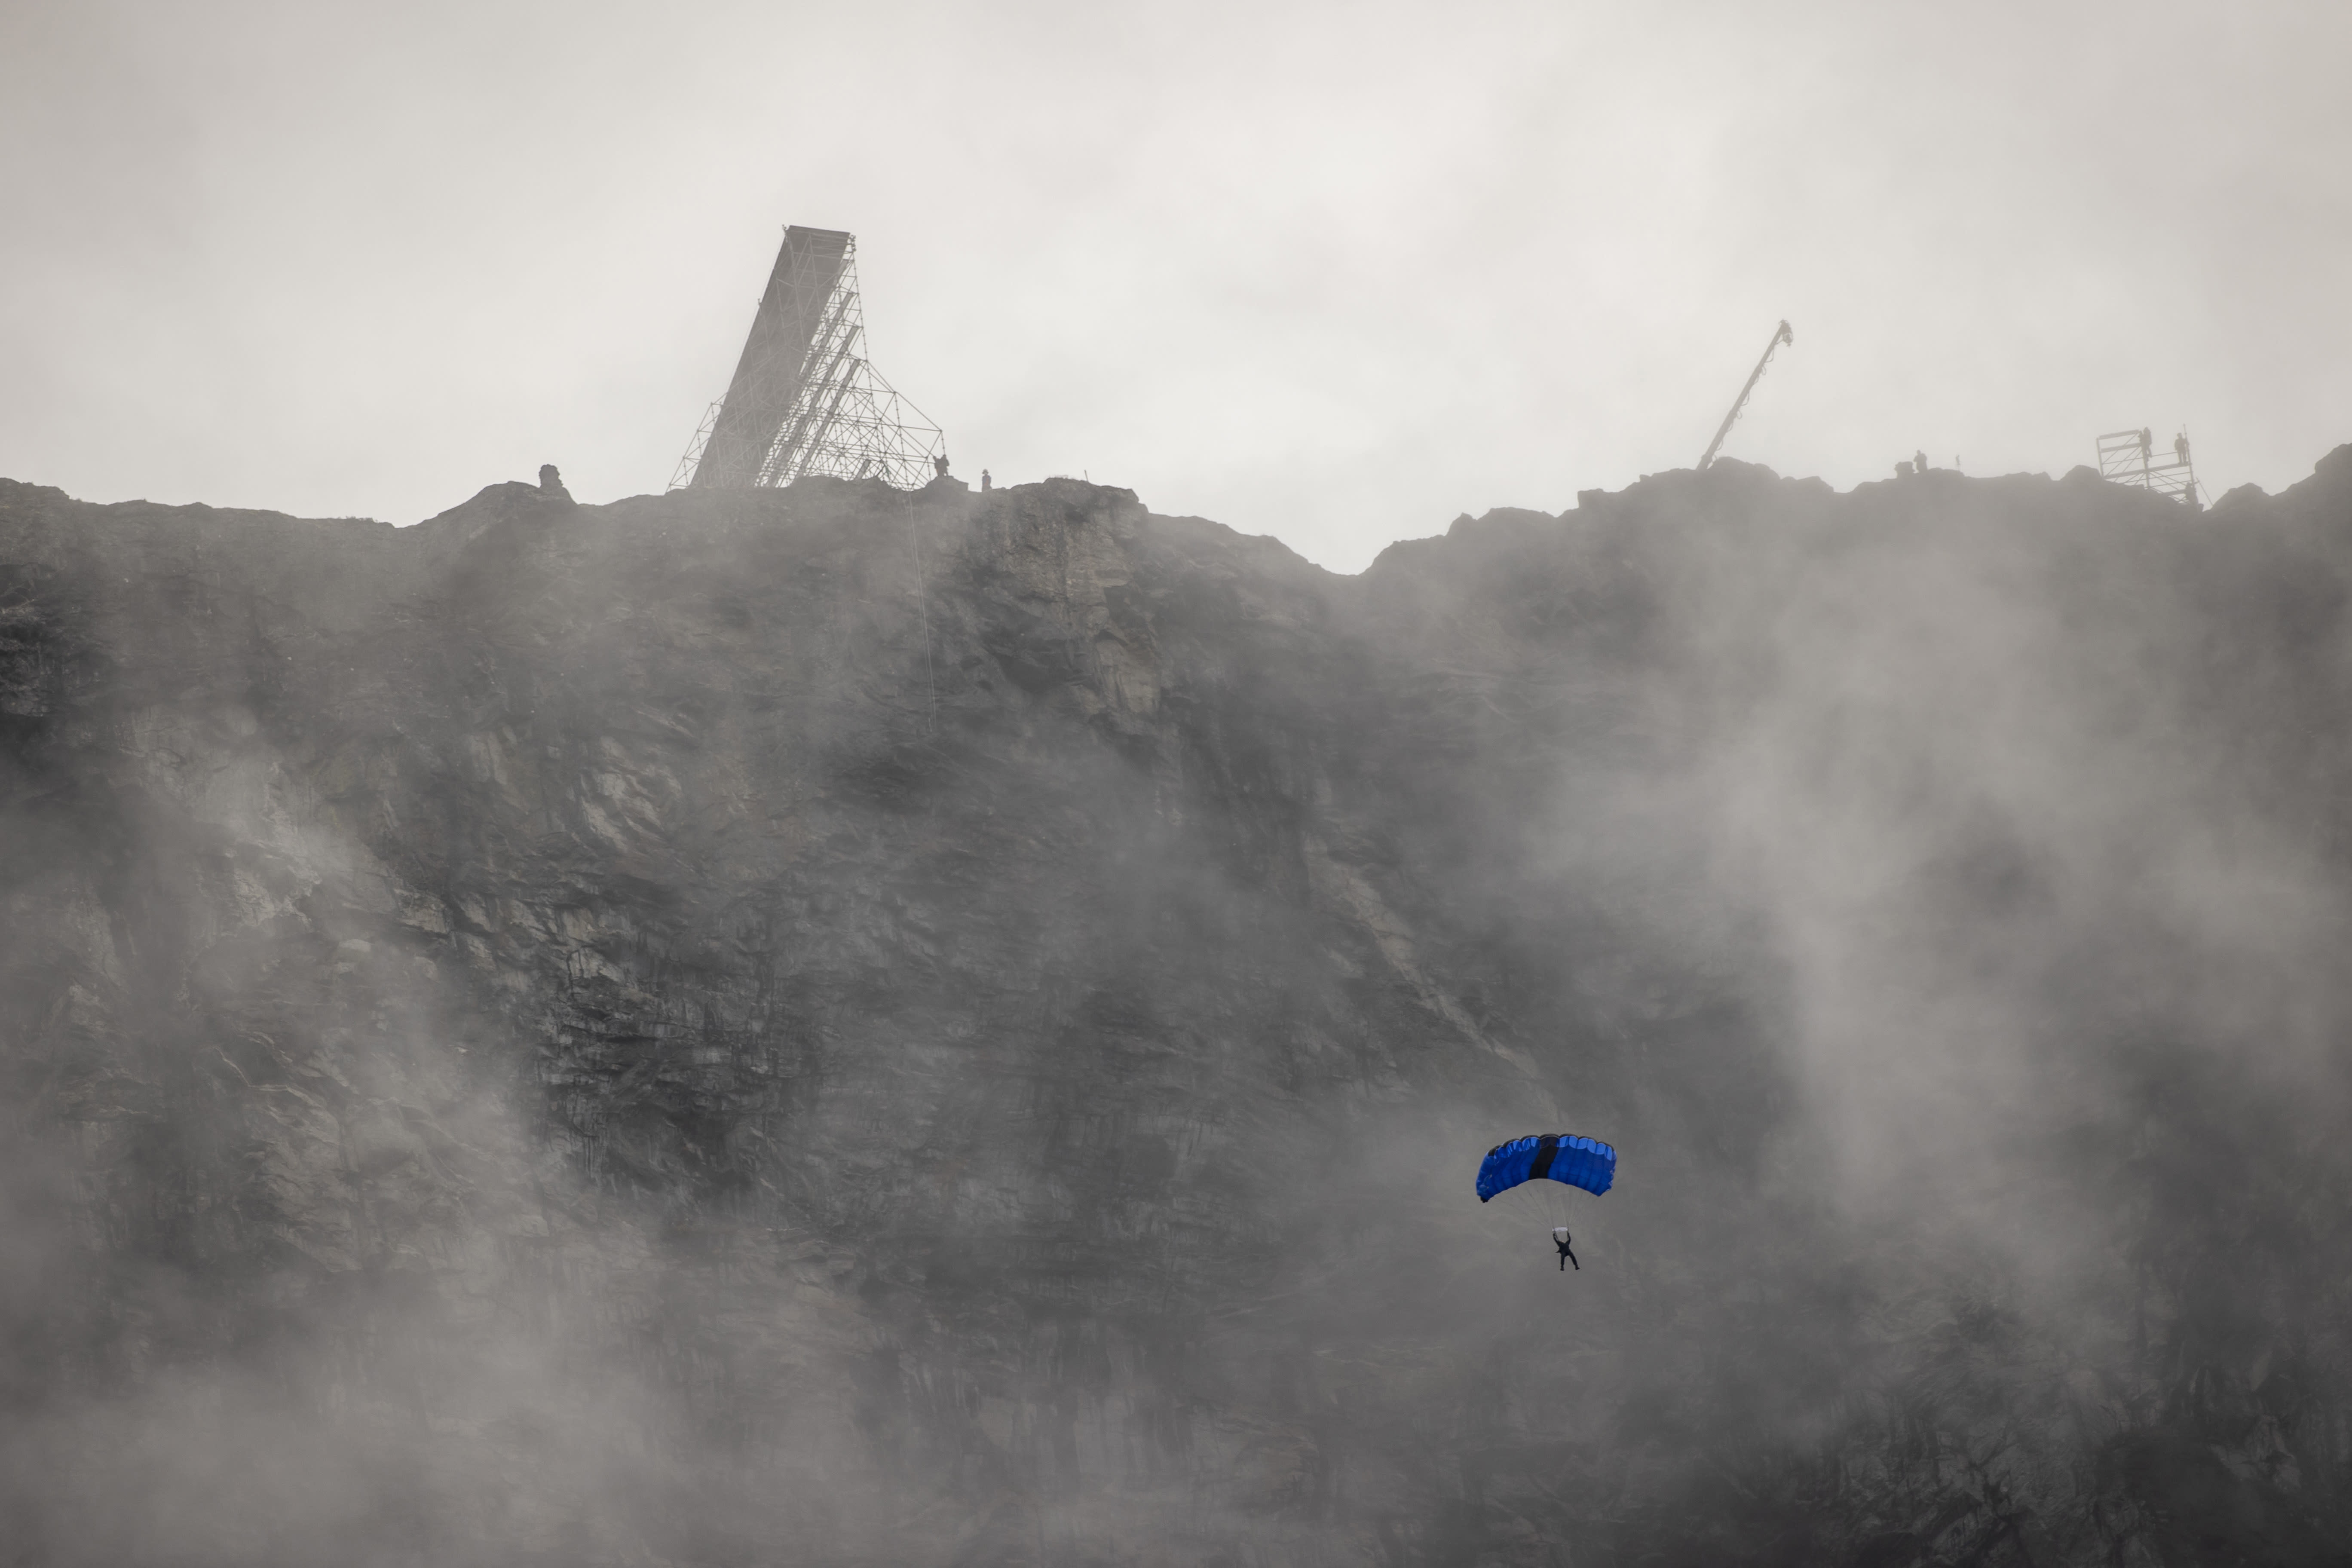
(1584, 1162)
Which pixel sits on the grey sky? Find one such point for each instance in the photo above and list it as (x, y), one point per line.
(1329, 272)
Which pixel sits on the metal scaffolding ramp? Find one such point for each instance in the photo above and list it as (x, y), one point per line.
(2128, 457)
(805, 400)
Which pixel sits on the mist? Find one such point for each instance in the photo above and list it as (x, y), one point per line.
(672, 1032)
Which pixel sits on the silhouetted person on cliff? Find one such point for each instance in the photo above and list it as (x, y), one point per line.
(939, 467)
(550, 483)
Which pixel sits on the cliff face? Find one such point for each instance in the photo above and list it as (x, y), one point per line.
(827, 1027)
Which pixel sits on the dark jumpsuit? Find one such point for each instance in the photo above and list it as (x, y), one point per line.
(1566, 1256)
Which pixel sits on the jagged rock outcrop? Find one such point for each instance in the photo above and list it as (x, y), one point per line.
(829, 1027)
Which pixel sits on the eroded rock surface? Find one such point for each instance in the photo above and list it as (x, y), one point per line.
(824, 1026)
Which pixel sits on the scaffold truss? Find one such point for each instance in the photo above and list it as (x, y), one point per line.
(804, 399)
(2128, 457)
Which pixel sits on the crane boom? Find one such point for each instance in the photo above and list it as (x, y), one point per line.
(1781, 334)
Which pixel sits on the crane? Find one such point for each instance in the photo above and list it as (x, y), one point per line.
(1781, 334)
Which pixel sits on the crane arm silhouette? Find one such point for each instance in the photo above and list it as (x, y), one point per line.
(1781, 334)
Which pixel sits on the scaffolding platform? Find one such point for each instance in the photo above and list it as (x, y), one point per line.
(2128, 457)
(804, 399)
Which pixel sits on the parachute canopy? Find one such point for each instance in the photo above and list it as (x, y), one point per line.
(1584, 1162)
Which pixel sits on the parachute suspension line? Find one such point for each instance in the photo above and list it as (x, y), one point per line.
(1557, 1205)
(1548, 1204)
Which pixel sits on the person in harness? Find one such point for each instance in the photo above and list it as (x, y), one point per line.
(1560, 1239)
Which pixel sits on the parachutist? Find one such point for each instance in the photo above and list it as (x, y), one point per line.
(1564, 1157)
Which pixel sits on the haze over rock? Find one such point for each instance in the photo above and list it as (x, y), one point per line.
(828, 1026)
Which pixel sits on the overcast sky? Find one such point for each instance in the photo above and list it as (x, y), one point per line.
(1334, 273)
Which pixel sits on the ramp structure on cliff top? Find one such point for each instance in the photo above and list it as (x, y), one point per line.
(1781, 334)
(2127, 456)
(804, 399)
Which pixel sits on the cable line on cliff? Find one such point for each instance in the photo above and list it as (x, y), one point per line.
(1781, 334)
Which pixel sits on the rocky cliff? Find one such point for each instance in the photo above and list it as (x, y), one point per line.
(829, 1027)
